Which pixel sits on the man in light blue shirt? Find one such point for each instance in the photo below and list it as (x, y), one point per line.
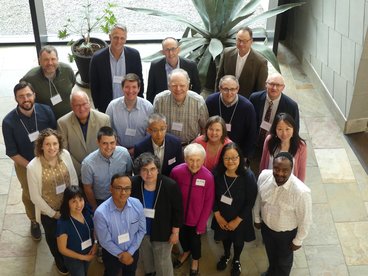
(120, 226)
(99, 166)
(129, 114)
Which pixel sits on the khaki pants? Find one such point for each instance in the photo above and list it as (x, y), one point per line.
(28, 204)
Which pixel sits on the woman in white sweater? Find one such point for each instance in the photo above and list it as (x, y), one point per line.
(48, 174)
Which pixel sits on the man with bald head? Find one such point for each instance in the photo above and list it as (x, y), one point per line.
(185, 110)
(79, 128)
(162, 68)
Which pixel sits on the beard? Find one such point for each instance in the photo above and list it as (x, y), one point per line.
(27, 106)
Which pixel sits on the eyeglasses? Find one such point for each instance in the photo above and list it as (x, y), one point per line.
(120, 189)
(157, 130)
(168, 50)
(25, 96)
(272, 84)
(81, 105)
(150, 170)
(235, 158)
(229, 90)
(243, 40)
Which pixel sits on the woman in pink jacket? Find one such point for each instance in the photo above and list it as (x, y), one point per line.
(284, 136)
(197, 187)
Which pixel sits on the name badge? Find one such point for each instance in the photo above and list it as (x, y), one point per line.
(149, 213)
(227, 200)
(56, 99)
(33, 136)
(177, 126)
(60, 189)
(86, 244)
(130, 132)
(117, 79)
(172, 161)
(123, 238)
(266, 125)
(228, 127)
(200, 182)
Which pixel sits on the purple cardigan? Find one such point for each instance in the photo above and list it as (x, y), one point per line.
(201, 187)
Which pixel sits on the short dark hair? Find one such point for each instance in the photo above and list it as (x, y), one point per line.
(48, 49)
(143, 160)
(212, 120)
(119, 175)
(172, 38)
(105, 131)
(41, 138)
(284, 155)
(221, 169)
(70, 192)
(247, 29)
(22, 84)
(132, 78)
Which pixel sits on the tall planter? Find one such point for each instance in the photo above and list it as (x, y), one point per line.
(82, 59)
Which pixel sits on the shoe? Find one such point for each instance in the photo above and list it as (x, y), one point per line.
(194, 272)
(236, 269)
(222, 263)
(177, 263)
(35, 231)
(61, 268)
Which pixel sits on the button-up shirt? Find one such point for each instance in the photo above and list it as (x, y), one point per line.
(118, 70)
(285, 207)
(110, 223)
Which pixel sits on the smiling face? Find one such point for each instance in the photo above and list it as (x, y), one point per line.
(281, 170)
(274, 85)
(170, 49)
(149, 173)
(121, 190)
(214, 132)
(229, 89)
(131, 90)
(118, 39)
(194, 162)
(284, 131)
(81, 106)
(231, 160)
(49, 63)
(107, 145)
(50, 147)
(158, 131)
(243, 42)
(25, 98)
(178, 86)
(76, 205)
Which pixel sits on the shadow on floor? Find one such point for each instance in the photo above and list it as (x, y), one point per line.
(359, 144)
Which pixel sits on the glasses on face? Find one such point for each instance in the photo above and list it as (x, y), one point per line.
(168, 50)
(147, 171)
(243, 40)
(157, 130)
(81, 105)
(235, 158)
(229, 90)
(121, 189)
(25, 96)
(273, 84)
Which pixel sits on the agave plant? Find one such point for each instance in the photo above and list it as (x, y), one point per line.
(221, 21)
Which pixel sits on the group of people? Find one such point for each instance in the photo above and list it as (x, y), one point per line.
(135, 176)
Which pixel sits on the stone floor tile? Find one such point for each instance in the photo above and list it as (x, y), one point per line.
(6, 168)
(361, 179)
(314, 182)
(19, 266)
(358, 270)
(15, 245)
(3, 202)
(354, 242)
(299, 272)
(334, 166)
(311, 106)
(15, 204)
(324, 132)
(44, 263)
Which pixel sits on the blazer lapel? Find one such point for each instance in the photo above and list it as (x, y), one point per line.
(78, 131)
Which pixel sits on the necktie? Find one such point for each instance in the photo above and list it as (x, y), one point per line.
(263, 132)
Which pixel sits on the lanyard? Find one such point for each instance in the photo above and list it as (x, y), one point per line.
(232, 115)
(89, 230)
(158, 193)
(229, 187)
(51, 82)
(61, 173)
(20, 119)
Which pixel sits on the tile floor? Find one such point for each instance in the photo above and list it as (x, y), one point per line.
(337, 243)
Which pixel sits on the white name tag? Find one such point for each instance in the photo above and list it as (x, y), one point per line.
(227, 200)
(228, 127)
(200, 182)
(123, 238)
(60, 189)
(86, 244)
(149, 213)
(56, 99)
(117, 79)
(130, 132)
(266, 125)
(172, 161)
(33, 136)
(177, 126)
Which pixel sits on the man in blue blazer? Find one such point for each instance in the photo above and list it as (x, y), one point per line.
(160, 69)
(165, 146)
(108, 67)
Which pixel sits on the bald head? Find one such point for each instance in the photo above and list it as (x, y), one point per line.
(80, 103)
(275, 84)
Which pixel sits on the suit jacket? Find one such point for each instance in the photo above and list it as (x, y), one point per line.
(157, 79)
(286, 105)
(173, 152)
(101, 79)
(74, 142)
(253, 76)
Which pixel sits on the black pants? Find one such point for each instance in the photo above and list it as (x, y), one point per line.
(49, 225)
(113, 267)
(280, 256)
(190, 241)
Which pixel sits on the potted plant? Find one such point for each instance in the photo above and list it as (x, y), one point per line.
(84, 48)
(221, 21)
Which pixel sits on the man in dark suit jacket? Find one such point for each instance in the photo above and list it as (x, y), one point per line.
(165, 146)
(249, 67)
(106, 85)
(160, 69)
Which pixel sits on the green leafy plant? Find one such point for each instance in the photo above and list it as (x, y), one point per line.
(86, 25)
(221, 21)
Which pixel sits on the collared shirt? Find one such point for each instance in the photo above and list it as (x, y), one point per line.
(240, 61)
(118, 71)
(192, 114)
(159, 152)
(285, 207)
(231, 104)
(130, 126)
(98, 170)
(110, 223)
(169, 68)
(275, 105)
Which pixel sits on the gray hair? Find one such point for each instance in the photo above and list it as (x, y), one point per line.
(180, 72)
(48, 49)
(145, 159)
(78, 93)
(156, 117)
(228, 77)
(193, 149)
(119, 26)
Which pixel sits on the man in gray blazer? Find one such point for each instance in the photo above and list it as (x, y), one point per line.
(79, 128)
(248, 66)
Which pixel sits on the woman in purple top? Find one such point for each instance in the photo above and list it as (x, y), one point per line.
(197, 187)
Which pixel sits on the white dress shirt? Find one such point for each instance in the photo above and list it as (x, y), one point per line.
(285, 207)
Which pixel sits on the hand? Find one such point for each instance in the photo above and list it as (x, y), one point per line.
(294, 247)
(221, 221)
(57, 215)
(125, 258)
(257, 225)
(88, 257)
(174, 238)
(233, 224)
(93, 250)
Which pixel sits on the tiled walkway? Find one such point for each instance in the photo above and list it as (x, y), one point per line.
(338, 240)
